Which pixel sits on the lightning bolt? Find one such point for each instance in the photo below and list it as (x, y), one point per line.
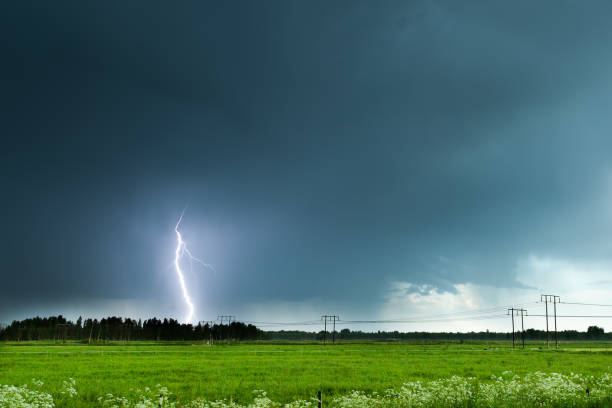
(182, 250)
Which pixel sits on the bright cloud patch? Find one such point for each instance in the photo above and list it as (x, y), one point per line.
(471, 306)
(563, 276)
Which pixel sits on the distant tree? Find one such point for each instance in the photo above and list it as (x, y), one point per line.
(595, 332)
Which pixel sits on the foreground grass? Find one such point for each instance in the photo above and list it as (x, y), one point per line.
(287, 372)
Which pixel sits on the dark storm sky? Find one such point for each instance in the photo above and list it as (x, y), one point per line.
(326, 150)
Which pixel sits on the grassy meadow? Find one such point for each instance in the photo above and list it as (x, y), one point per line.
(287, 372)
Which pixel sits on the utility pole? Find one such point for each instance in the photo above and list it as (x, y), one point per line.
(226, 318)
(523, 326)
(515, 312)
(325, 327)
(511, 313)
(554, 299)
(329, 318)
(334, 331)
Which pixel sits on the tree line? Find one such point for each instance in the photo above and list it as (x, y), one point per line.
(124, 329)
(592, 333)
(114, 328)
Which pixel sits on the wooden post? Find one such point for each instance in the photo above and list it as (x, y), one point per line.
(523, 327)
(324, 330)
(319, 400)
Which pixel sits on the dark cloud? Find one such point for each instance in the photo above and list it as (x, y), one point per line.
(325, 150)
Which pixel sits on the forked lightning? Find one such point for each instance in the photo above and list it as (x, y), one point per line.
(182, 250)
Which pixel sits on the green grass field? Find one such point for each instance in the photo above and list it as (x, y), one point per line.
(286, 371)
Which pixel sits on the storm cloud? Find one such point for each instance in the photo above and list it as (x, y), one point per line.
(331, 155)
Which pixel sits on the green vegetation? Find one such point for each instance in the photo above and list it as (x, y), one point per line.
(58, 328)
(287, 372)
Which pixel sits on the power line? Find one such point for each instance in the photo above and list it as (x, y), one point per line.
(429, 320)
(579, 316)
(423, 319)
(585, 304)
(415, 319)
(303, 323)
(491, 313)
(499, 308)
